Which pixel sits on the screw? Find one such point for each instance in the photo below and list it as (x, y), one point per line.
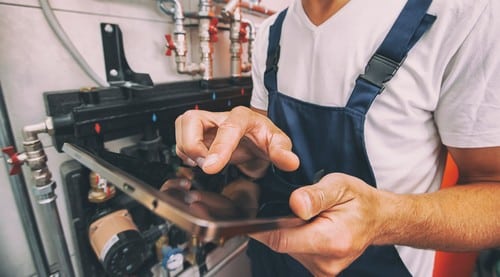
(108, 28)
(113, 72)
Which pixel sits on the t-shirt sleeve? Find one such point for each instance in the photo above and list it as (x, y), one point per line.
(468, 112)
(259, 98)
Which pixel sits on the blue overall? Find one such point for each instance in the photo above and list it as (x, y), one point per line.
(331, 139)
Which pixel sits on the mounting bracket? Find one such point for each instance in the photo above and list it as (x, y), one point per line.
(118, 72)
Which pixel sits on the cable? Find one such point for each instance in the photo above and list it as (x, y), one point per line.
(70, 47)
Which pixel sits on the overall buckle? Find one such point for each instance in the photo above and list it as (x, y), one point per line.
(380, 70)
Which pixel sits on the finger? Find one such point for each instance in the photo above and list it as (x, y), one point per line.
(185, 159)
(266, 137)
(275, 144)
(305, 239)
(280, 152)
(228, 136)
(218, 206)
(177, 183)
(308, 201)
(184, 172)
(190, 129)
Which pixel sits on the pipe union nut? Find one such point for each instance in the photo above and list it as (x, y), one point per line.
(44, 191)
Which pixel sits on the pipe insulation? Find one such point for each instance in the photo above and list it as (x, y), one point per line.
(68, 45)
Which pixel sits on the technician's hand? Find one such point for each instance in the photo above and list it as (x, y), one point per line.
(344, 220)
(242, 137)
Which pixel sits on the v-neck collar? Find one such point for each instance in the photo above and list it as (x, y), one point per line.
(299, 9)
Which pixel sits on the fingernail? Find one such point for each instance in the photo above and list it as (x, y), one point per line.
(306, 202)
(210, 160)
(184, 183)
(200, 161)
(190, 162)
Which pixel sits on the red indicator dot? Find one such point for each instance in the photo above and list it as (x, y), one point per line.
(196, 107)
(242, 91)
(97, 128)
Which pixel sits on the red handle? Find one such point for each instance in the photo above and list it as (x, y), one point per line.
(212, 30)
(243, 32)
(14, 160)
(170, 45)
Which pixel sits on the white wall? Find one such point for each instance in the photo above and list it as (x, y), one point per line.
(33, 61)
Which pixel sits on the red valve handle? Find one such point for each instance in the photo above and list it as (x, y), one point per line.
(212, 30)
(14, 160)
(170, 45)
(243, 32)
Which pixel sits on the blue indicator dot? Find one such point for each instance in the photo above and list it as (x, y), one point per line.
(214, 95)
(154, 117)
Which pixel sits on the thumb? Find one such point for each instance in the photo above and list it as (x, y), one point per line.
(309, 201)
(280, 153)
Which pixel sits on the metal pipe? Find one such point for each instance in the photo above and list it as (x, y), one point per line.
(247, 66)
(238, 29)
(44, 190)
(235, 40)
(206, 13)
(230, 7)
(179, 43)
(206, 48)
(252, 7)
(232, 255)
(22, 200)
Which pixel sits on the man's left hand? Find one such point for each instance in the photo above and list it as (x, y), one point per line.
(344, 219)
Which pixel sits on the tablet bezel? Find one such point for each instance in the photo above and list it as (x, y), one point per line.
(163, 205)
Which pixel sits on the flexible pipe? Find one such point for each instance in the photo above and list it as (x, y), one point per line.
(70, 47)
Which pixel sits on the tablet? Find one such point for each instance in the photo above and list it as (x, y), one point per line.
(210, 216)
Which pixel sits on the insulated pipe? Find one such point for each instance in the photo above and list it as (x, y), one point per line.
(44, 190)
(64, 39)
(23, 203)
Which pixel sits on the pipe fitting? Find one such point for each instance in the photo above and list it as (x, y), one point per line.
(46, 193)
(30, 132)
(229, 8)
(247, 66)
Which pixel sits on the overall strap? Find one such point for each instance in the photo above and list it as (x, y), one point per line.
(411, 24)
(273, 53)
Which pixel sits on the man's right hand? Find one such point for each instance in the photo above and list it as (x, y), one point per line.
(242, 137)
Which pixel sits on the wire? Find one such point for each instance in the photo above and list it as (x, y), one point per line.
(70, 47)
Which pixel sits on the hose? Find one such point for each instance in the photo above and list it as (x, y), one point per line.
(64, 39)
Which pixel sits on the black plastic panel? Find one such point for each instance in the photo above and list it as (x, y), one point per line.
(93, 117)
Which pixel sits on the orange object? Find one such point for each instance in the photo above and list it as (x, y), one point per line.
(453, 264)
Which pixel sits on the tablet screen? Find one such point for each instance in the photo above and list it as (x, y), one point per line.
(204, 206)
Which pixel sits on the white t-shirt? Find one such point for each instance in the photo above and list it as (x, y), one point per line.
(446, 92)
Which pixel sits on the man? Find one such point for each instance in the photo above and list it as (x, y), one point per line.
(323, 73)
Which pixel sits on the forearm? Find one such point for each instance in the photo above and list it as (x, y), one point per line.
(461, 218)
